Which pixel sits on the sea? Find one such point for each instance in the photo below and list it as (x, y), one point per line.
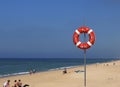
(20, 66)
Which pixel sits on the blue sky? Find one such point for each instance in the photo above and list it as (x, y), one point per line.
(44, 28)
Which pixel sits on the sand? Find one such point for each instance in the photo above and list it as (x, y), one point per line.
(98, 75)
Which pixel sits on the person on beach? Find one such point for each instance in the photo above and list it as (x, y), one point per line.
(65, 71)
(15, 83)
(19, 83)
(7, 84)
(30, 72)
(113, 63)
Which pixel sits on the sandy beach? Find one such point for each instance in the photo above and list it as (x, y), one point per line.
(98, 75)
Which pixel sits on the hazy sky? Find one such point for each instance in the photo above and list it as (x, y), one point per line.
(44, 28)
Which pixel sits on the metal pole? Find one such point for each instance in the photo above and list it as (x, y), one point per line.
(84, 68)
(84, 62)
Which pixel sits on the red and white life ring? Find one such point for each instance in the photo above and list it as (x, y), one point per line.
(77, 41)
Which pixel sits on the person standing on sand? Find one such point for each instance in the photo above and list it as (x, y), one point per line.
(7, 84)
(15, 83)
(19, 83)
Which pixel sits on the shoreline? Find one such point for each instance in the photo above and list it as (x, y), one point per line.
(27, 73)
(98, 75)
(54, 69)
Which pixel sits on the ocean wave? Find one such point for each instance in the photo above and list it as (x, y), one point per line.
(14, 74)
(61, 68)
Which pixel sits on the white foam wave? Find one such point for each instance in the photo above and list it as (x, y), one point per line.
(61, 68)
(14, 74)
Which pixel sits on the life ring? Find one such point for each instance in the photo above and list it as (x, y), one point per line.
(84, 45)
